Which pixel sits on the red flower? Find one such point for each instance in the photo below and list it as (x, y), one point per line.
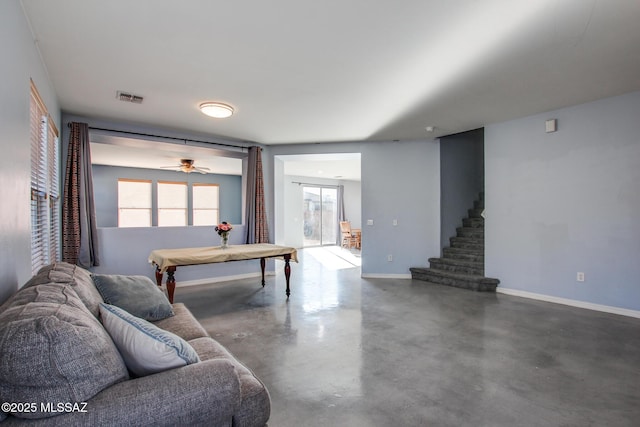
(224, 227)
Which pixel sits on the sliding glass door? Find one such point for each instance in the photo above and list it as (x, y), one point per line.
(320, 215)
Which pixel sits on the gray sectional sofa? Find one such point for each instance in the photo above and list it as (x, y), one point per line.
(60, 366)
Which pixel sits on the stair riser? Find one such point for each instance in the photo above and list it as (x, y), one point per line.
(467, 239)
(477, 233)
(429, 276)
(473, 222)
(467, 245)
(464, 254)
(478, 271)
(475, 213)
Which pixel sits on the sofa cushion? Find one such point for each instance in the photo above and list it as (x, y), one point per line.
(137, 295)
(255, 405)
(182, 323)
(74, 276)
(53, 349)
(145, 348)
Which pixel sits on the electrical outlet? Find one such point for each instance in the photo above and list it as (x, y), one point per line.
(395, 222)
(369, 222)
(389, 257)
(580, 276)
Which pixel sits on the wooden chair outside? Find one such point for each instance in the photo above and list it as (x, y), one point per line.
(349, 239)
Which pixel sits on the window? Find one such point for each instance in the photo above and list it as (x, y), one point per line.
(172, 204)
(134, 203)
(205, 204)
(45, 196)
(137, 203)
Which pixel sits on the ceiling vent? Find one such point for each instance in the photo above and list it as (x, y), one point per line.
(127, 97)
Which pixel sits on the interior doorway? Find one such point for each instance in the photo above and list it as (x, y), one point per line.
(320, 215)
(292, 174)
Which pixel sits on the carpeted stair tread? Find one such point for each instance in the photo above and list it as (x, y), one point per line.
(469, 277)
(464, 253)
(454, 261)
(475, 213)
(457, 265)
(473, 222)
(477, 232)
(466, 281)
(467, 243)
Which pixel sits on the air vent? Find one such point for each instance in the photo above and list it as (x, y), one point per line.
(127, 97)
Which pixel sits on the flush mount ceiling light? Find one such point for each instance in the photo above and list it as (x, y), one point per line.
(216, 109)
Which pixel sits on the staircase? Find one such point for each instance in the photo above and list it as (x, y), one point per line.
(462, 263)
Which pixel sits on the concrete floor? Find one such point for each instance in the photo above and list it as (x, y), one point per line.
(347, 351)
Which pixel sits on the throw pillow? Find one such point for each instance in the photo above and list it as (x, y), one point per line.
(145, 348)
(137, 295)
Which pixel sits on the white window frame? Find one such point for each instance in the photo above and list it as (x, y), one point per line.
(149, 209)
(181, 205)
(215, 205)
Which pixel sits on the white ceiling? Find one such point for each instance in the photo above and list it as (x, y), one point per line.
(340, 166)
(300, 71)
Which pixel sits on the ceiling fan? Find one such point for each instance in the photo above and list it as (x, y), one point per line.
(186, 166)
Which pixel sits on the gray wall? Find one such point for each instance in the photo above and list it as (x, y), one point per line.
(126, 251)
(461, 178)
(565, 202)
(20, 62)
(400, 180)
(105, 184)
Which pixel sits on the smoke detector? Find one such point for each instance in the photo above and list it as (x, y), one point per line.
(127, 97)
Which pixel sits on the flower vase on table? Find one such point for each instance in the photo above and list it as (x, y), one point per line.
(223, 229)
(224, 240)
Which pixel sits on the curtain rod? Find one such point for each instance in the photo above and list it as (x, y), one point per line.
(314, 184)
(165, 137)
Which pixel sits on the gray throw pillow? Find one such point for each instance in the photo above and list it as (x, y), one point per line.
(137, 295)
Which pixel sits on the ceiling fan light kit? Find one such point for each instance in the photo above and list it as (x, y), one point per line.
(217, 110)
(187, 166)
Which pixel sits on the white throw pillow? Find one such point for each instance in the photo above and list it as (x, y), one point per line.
(145, 348)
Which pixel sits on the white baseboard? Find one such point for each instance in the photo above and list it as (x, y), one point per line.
(570, 302)
(221, 279)
(385, 276)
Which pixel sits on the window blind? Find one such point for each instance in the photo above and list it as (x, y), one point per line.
(45, 196)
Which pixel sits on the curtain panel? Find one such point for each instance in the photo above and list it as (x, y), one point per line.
(79, 226)
(341, 216)
(256, 214)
